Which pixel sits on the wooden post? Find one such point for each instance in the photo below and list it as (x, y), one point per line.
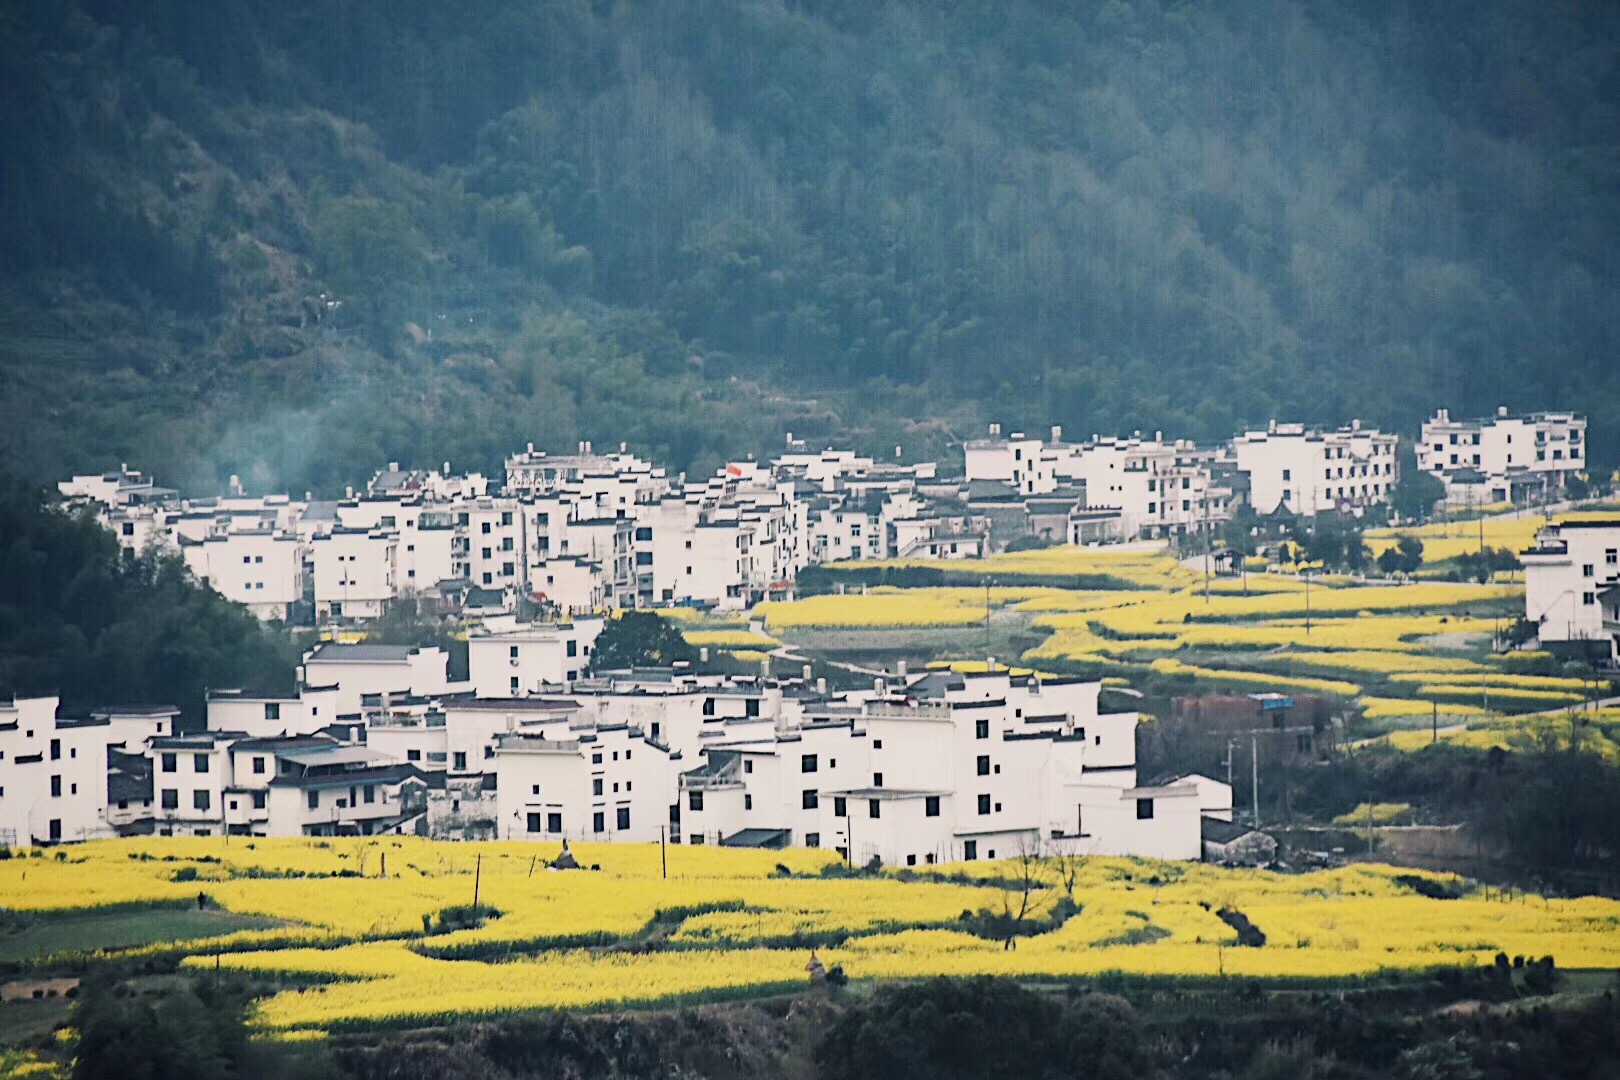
(663, 852)
(478, 875)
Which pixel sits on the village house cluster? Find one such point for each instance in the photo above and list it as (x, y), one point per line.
(917, 769)
(539, 744)
(588, 530)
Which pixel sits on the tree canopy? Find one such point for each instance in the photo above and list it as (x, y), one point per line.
(79, 620)
(290, 239)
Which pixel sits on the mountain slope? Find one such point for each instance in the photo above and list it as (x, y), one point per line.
(293, 240)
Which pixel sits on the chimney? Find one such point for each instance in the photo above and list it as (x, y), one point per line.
(393, 466)
(897, 454)
(990, 663)
(1158, 436)
(703, 655)
(805, 672)
(445, 468)
(900, 669)
(1501, 410)
(995, 429)
(1355, 425)
(765, 668)
(624, 448)
(880, 688)
(531, 448)
(1057, 432)
(1271, 428)
(587, 446)
(236, 484)
(821, 687)
(348, 491)
(790, 439)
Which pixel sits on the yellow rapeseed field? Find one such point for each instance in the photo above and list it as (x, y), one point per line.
(354, 953)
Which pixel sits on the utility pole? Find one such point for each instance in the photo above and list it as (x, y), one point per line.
(1434, 723)
(478, 876)
(663, 853)
(1254, 783)
(987, 616)
(1209, 545)
(1307, 600)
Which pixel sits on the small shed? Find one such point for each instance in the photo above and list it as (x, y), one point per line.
(1237, 845)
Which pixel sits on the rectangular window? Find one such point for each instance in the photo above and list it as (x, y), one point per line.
(983, 765)
(554, 821)
(56, 749)
(170, 762)
(596, 785)
(981, 729)
(812, 839)
(694, 799)
(1144, 809)
(56, 787)
(748, 801)
(877, 779)
(170, 799)
(272, 710)
(809, 799)
(258, 766)
(1588, 570)
(573, 647)
(874, 808)
(599, 822)
(200, 800)
(314, 800)
(413, 755)
(461, 760)
(840, 806)
(807, 763)
(624, 817)
(371, 793)
(984, 804)
(970, 850)
(199, 762)
(931, 806)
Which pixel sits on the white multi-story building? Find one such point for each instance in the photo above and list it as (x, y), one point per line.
(1314, 472)
(306, 712)
(1160, 489)
(610, 782)
(53, 774)
(358, 670)
(354, 572)
(262, 569)
(527, 658)
(1503, 458)
(1020, 461)
(1572, 584)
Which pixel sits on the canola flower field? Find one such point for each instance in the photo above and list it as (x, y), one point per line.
(1397, 650)
(352, 951)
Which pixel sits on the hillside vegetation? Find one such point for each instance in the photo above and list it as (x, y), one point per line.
(295, 240)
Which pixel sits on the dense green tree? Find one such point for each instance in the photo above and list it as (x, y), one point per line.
(639, 639)
(79, 620)
(288, 240)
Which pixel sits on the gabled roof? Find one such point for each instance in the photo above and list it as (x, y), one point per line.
(1216, 831)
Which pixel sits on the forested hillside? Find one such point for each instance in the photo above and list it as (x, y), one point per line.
(293, 240)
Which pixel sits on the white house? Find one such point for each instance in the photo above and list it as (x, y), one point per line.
(262, 569)
(1572, 583)
(53, 774)
(1312, 472)
(608, 783)
(354, 572)
(1018, 460)
(523, 660)
(1503, 458)
(357, 670)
